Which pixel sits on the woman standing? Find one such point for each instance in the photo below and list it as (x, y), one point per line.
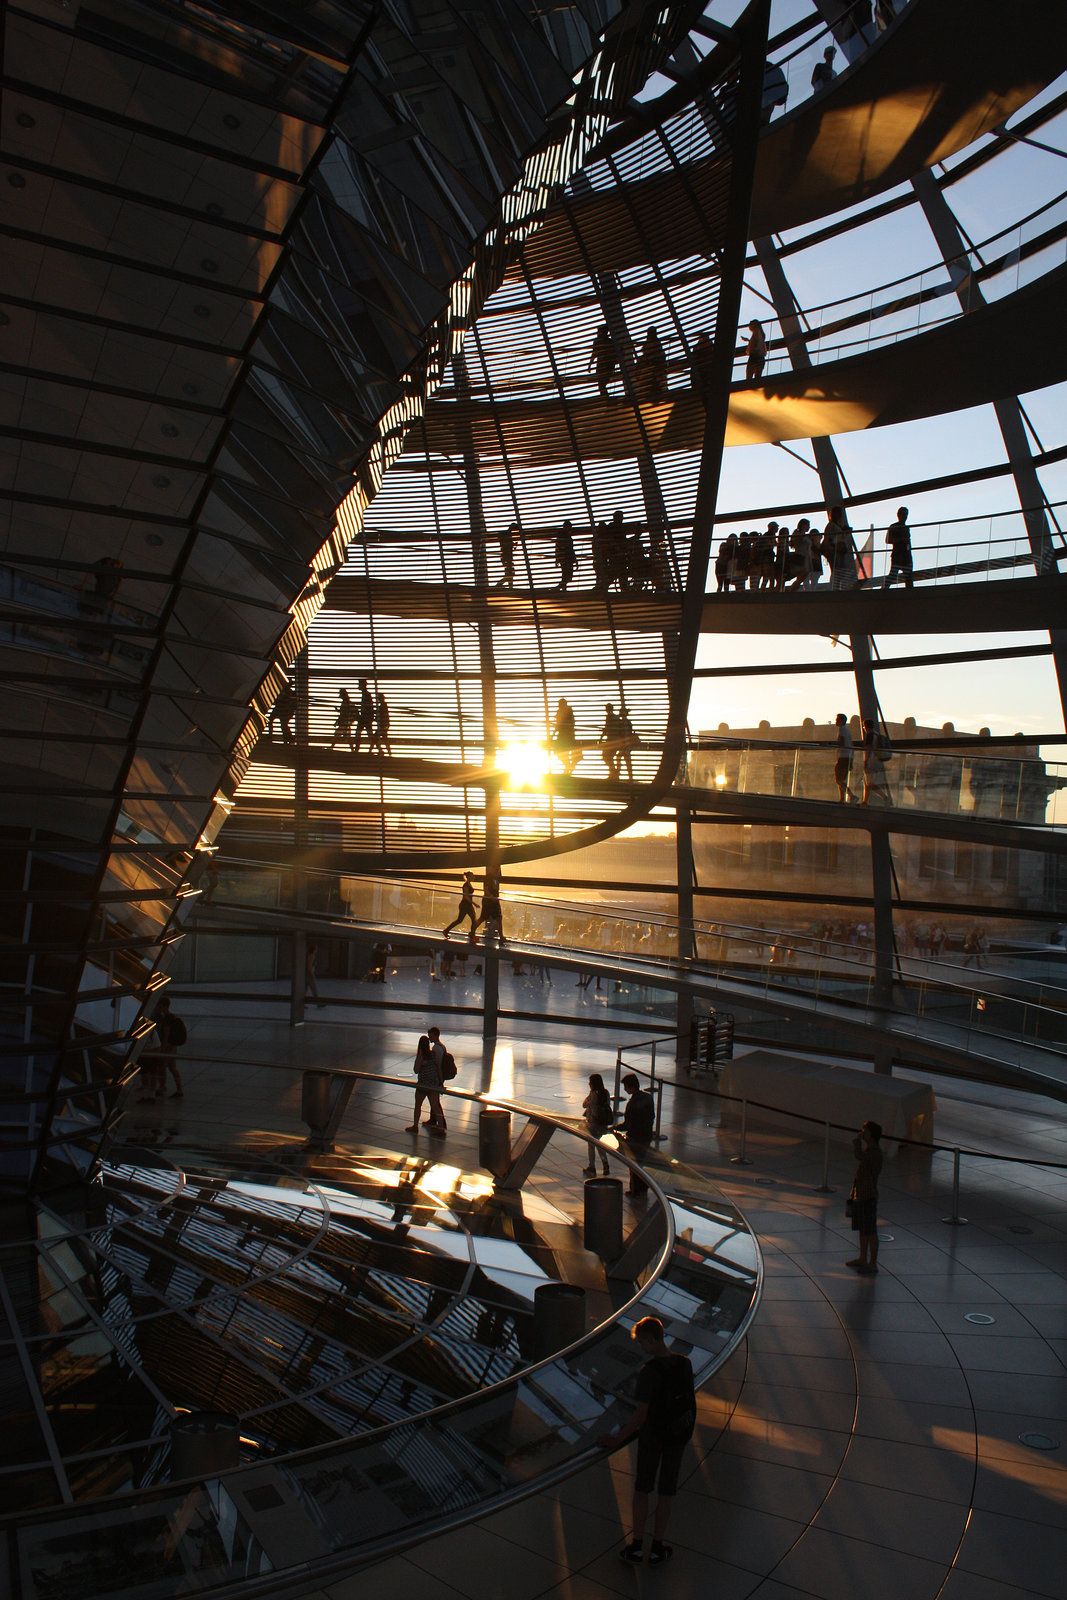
(429, 1084)
(599, 1119)
(863, 1200)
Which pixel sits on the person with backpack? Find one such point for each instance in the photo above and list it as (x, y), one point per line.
(663, 1424)
(445, 1064)
(172, 1035)
(428, 1085)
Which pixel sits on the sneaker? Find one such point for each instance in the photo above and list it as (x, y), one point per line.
(589, 1172)
(412, 1127)
(632, 1554)
(659, 1554)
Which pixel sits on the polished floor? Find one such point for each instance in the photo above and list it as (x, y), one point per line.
(865, 1442)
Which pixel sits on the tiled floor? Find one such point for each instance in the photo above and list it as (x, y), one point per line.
(865, 1440)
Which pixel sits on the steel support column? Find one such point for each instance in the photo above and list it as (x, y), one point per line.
(826, 465)
(298, 977)
(954, 250)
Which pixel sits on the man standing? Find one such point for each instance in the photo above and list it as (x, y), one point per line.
(638, 1126)
(843, 757)
(603, 360)
(446, 1068)
(663, 1424)
(466, 904)
(898, 538)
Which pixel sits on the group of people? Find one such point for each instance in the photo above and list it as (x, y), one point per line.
(649, 372)
(780, 559)
(617, 740)
(491, 914)
(369, 717)
(356, 720)
(617, 555)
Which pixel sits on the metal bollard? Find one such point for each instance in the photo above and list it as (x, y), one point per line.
(603, 1217)
(203, 1443)
(315, 1101)
(825, 1187)
(494, 1140)
(559, 1317)
(955, 1221)
(741, 1159)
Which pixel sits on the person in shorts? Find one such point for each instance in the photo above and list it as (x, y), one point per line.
(663, 1425)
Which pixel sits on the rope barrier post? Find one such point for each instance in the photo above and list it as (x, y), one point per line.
(955, 1221)
(616, 1098)
(741, 1159)
(657, 1089)
(826, 1187)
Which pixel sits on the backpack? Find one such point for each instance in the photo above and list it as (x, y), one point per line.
(674, 1413)
(448, 1066)
(179, 1034)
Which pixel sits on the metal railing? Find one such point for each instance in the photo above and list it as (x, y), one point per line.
(485, 1449)
(657, 1084)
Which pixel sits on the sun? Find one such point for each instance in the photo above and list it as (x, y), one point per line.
(526, 764)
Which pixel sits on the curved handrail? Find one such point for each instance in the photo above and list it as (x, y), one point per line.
(205, 1501)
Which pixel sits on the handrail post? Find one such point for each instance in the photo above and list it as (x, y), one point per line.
(741, 1159)
(826, 1187)
(955, 1221)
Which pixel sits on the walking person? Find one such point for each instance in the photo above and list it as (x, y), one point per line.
(610, 740)
(566, 558)
(564, 737)
(491, 913)
(898, 538)
(346, 716)
(638, 1126)
(311, 962)
(599, 1119)
(508, 541)
(428, 1086)
(172, 1035)
(876, 753)
(466, 905)
(380, 739)
(365, 716)
(663, 1424)
(843, 758)
(862, 1205)
(283, 710)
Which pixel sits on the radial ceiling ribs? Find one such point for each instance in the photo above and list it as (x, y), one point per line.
(946, 73)
(490, 669)
(975, 358)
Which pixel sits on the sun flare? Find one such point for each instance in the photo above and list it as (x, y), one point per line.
(526, 764)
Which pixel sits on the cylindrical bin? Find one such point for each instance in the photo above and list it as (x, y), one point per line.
(603, 1217)
(203, 1444)
(559, 1317)
(315, 1101)
(494, 1140)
